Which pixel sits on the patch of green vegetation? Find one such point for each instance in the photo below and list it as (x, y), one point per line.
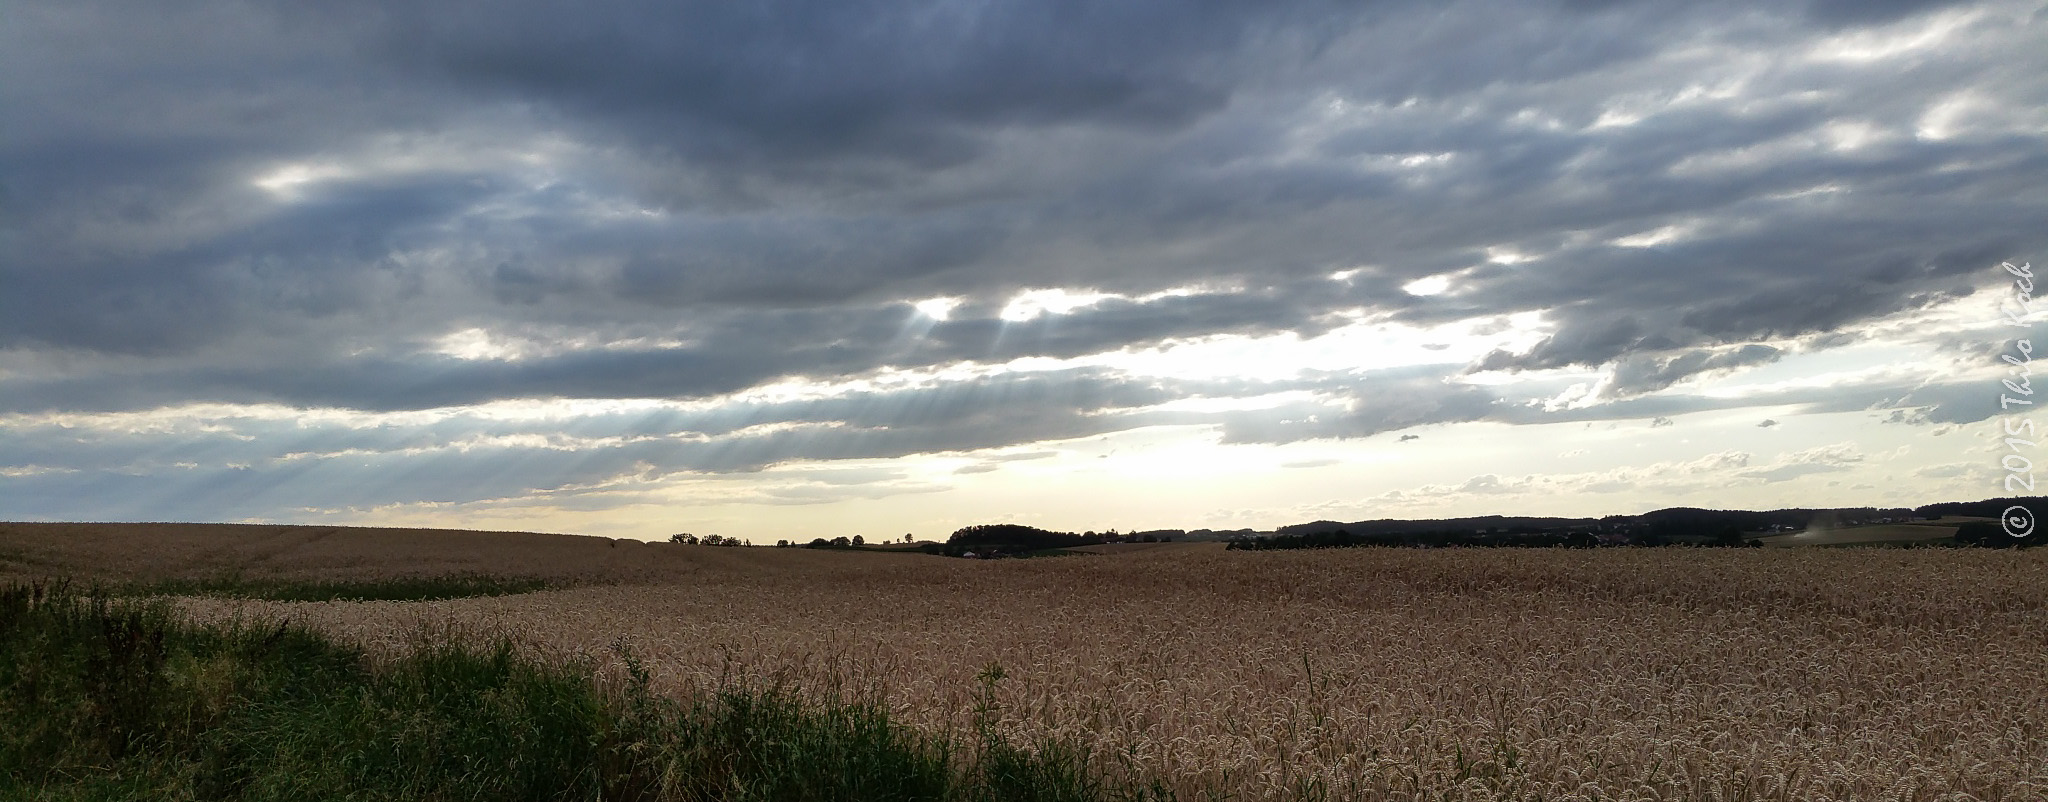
(1889, 544)
(117, 699)
(425, 588)
(1061, 552)
(18, 557)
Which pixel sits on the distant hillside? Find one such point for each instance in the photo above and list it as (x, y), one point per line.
(1668, 525)
(1670, 520)
(1393, 526)
(1689, 519)
(1988, 508)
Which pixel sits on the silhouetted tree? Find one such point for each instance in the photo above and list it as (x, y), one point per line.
(1017, 537)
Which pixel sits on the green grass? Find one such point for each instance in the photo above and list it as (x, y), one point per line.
(18, 557)
(1868, 535)
(1055, 552)
(426, 588)
(117, 699)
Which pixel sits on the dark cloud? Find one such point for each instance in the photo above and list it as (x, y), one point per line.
(732, 352)
(241, 203)
(1843, 13)
(742, 435)
(704, 99)
(784, 82)
(1638, 373)
(470, 458)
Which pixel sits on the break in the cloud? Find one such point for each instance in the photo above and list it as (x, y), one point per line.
(622, 264)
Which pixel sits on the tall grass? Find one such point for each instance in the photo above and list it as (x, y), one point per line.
(120, 699)
(415, 588)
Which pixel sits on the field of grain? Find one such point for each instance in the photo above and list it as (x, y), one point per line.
(1482, 674)
(1870, 534)
(175, 550)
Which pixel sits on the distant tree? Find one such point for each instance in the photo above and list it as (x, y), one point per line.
(906, 537)
(859, 541)
(818, 543)
(685, 538)
(1017, 537)
(842, 542)
(782, 544)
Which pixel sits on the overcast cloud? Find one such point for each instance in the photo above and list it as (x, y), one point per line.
(268, 262)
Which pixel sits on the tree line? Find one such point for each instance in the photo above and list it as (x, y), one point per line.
(1456, 538)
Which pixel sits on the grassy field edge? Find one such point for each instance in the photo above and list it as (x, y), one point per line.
(422, 588)
(111, 698)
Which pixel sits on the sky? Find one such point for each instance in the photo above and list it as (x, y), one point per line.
(808, 269)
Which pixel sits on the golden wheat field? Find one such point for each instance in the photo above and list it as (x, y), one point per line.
(1612, 674)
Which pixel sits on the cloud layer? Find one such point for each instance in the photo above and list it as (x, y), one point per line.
(944, 227)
